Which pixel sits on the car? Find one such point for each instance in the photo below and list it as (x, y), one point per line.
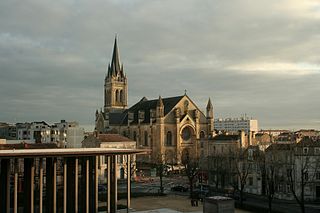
(179, 188)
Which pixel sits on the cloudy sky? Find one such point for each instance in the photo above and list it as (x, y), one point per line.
(254, 57)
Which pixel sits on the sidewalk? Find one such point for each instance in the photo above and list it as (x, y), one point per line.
(166, 204)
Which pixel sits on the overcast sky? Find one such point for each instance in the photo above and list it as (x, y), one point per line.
(259, 57)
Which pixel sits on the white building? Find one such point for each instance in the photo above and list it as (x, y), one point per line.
(39, 132)
(68, 134)
(236, 124)
(65, 134)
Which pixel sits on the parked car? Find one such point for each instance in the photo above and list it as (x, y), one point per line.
(179, 188)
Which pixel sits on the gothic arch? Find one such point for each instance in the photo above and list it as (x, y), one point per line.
(146, 138)
(202, 135)
(117, 95)
(169, 139)
(121, 96)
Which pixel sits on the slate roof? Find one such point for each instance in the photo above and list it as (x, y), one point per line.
(226, 138)
(113, 138)
(280, 146)
(145, 106)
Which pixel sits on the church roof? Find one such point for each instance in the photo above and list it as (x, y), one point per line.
(226, 138)
(103, 138)
(116, 117)
(145, 106)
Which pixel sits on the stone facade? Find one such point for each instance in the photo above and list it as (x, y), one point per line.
(170, 127)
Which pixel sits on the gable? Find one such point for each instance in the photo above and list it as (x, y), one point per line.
(181, 104)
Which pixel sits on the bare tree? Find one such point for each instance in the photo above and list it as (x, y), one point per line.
(219, 167)
(161, 168)
(191, 166)
(241, 167)
(269, 168)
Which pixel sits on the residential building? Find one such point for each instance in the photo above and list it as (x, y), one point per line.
(23, 132)
(8, 131)
(236, 124)
(297, 168)
(39, 132)
(114, 141)
(67, 134)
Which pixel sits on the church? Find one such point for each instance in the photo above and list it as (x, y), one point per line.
(171, 127)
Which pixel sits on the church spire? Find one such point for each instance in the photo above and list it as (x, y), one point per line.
(115, 67)
(160, 102)
(209, 105)
(115, 87)
(209, 110)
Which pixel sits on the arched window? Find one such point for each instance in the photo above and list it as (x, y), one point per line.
(202, 135)
(169, 139)
(117, 95)
(135, 136)
(121, 96)
(145, 138)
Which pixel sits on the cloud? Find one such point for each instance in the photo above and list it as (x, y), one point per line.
(278, 68)
(254, 57)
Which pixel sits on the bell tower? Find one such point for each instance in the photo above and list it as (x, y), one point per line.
(116, 84)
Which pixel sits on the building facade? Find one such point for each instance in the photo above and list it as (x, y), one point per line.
(113, 141)
(170, 127)
(236, 124)
(68, 134)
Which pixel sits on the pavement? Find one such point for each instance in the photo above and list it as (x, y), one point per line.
(166, 204)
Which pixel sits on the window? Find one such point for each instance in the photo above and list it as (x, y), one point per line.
(318, 176)
(317, 151)
(202, 135)
(288, 188)
(117, 95)
(305, 150)
(169, 139)
(250, 181)
(186, 133)
(121, 96)
(146, 138)
(135, 136)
